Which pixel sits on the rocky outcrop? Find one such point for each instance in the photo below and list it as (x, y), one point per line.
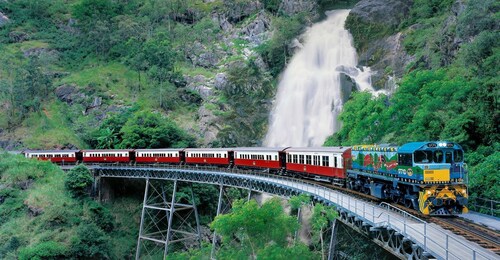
(372, 23)
(257, 31)
(18, 36)
(3, 19)
(201, 85)
(31, 52)
(386, 56)
(291, 7)
(201, 56)
(69, 94)
(239, 10)
(387, 12)
(207, 124)
(34, 211)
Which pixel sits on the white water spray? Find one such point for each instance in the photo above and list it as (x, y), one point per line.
(309, 96)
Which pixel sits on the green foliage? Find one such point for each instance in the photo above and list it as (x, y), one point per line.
(100, 215)
(90, 242)
(363, 118)
(484, 178)
(365, 33)
(298, 201)
(250, 225)
(78, 181)
(150, 130)
(275, 52)
(44, 250)
(423, 9)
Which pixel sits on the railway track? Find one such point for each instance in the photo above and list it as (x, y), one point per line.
(483, 236)
(478, 234)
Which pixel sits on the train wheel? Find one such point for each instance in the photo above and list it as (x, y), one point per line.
(408, 204)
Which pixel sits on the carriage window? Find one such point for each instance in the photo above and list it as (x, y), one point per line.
(326, 161)
(275, 157)
(335, 162)
(405, 159)
(423, 156)
(458, 156)
(308, 159)
(448, 157)
(301, 159)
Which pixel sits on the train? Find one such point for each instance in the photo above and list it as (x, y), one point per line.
(426, 176)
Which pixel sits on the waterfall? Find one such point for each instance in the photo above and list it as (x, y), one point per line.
(309, 96)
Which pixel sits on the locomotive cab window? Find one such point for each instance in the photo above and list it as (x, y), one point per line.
(423, 156)
(448, 157)
(458, 156)
(405, 159)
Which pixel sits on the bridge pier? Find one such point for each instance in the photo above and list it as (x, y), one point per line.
(158, 230)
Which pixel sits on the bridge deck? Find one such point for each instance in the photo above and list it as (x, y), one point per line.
(486, 220)
(432, 238)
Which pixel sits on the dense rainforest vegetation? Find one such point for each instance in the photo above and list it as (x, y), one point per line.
(449, 92)
(154, 73)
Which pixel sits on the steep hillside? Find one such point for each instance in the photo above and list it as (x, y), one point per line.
(443, 57)
(209, 68)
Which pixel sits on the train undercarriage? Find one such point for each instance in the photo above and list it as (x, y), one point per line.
(429, 199)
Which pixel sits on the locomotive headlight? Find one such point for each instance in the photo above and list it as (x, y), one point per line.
(428, 192)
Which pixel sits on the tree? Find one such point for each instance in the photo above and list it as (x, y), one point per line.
(90, 242)
(78, 181)
(150, 130)
(252, 231)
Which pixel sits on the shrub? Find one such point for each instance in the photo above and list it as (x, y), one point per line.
(44, 250)
(78, 181)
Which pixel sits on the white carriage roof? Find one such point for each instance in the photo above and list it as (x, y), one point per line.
(259, 149)
(333, 149)
(50, 151)
(108, 151)
(159, 150)
(208, 149)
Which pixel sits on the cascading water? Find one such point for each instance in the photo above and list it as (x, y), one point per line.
(309, 96)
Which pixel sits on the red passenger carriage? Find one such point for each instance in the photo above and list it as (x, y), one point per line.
(61, 156)
(159, 155)
(325, 162)
(216, 156)
(260, 157)
(107, 156)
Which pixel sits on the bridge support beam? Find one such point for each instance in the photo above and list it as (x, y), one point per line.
(387, 238)
(165, 221)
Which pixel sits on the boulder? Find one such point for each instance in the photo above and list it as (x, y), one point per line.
(220, 81)
(69, 94)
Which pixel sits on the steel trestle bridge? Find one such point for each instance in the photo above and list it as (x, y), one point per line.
(404, 235)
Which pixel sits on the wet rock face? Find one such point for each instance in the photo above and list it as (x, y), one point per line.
(387, 12)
